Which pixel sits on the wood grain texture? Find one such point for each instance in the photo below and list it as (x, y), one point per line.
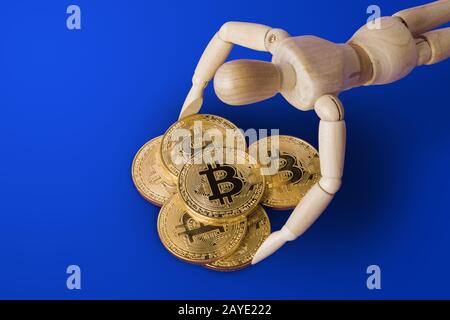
(423, 51)
(332, 148)
(320, 67)
(212, 58)
(249, 35)
(308, 210)
(391, 50)
(426, 17)
(332, 155)
(329, 108)
(242, 82)
(439, 42)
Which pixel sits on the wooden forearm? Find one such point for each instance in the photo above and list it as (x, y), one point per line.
(332, 154)
(249, 35)
(426, 17)
(214, 55)
(313, 204)
(437, 45)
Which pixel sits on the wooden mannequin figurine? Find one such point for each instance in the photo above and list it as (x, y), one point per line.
(310, 72)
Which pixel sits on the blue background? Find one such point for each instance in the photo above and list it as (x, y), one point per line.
(75, 106)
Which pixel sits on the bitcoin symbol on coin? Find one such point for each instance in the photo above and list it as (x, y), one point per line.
(289, 169)
(193, 228)
(219, 192)
(298, 169)
(191, 240)
(227, 177)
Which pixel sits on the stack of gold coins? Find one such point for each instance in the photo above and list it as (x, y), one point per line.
(211, 188)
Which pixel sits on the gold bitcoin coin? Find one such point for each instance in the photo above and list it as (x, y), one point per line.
(291, 172)
(150, 177)
(193, 134)
(258, 229)
(222, 186)
(193, 241)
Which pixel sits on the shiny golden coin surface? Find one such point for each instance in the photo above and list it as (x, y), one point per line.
(293, 170)
(150, 176)
(223, 187)
(258, 229)
(195, 242)
(193, 134)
